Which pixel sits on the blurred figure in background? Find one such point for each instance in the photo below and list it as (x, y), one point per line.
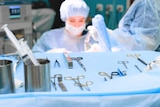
(55, 5)
(139, 29)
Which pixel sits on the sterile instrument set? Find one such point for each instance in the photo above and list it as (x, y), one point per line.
(104, 67)
(29, 59)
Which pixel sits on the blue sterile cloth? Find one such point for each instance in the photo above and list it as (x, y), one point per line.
(134, 89)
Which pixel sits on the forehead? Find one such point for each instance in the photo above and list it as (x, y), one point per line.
(76, 18)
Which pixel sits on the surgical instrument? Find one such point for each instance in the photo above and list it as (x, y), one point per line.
(138, 68)
(79, 62)
(76, 80)
(124, 63)
(133, 55)
(104, 74)
(85, 85)
(60, 83)
(23, 49)
(69, 60)
(143, 62)
(139, 59)
(137, 56)
(53, 83)
(118, 73)
(56, 63)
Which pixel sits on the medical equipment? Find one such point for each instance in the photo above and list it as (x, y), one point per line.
(76, 80)
(79, 62)
(60, 83)
(18, 15)
(137, 56)
(99, 33)
(56, 63)
(105, 75)
(143, 62)
(138, 68)
(54, 84)
(68, 60)
(139, 59)
(6, 77)
(124, 63)
(118, 73)
(22, 48)
(85, 85)
(133, 55)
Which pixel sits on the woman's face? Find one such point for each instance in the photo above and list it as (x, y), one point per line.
(76, 21)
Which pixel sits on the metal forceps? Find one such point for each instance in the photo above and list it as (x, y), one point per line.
(76, 80)
(60, 83)
(124, 63)
(118, 73)
(86, 85)
(54, 83)
(105, 75)
(79, 62)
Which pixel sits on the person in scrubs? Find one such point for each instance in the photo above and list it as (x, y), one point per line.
(139, 28)
(69, 38)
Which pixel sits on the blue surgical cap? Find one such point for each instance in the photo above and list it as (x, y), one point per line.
(73, 8)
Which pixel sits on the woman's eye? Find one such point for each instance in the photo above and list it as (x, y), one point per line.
(81, 21)
(71, 21)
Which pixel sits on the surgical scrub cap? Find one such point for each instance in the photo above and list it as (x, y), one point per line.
(73, 8)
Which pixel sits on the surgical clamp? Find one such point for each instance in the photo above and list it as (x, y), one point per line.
(79, 62)
(118, 72)
(53, 83)
(137, 56)
(104, 74)
(74, 79)
(124, 63)
(86, 84)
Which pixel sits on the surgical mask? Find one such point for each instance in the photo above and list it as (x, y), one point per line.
(74, 30)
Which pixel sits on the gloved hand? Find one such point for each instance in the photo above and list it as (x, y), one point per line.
(94, 48)
(103, 37)
(58, 50)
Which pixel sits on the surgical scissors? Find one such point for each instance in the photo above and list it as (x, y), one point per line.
(104, 74)
(76, 80)
(124, 63)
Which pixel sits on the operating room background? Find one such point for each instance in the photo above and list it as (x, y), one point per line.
(112, 11)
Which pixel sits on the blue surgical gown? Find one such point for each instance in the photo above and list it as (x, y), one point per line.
(139, 28)
(59, 38)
